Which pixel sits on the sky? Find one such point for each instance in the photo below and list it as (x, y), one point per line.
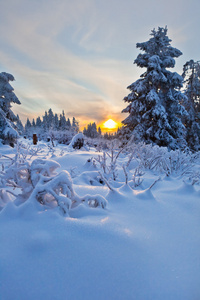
(78, 55)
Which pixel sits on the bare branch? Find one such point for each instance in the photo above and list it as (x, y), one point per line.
(106, 181)
(154, 183)
(125, 173)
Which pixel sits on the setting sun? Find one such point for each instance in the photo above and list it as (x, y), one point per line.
(110, 124)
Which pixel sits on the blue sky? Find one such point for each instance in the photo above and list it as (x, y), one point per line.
(78, 55)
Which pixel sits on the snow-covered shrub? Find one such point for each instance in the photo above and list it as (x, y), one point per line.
(14, 177)
(5, 197)
(50, 188)
(173, 162)
(193, 177)
(160, 159)
(107, 161)
(137, 177)
(77, 141)
(38, 181)
(94, 200)
(102, 161)
(90, 178)
(16, 174)
(53, 189)
(102, 144)
(63, 136)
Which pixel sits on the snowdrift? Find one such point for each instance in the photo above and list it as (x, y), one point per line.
(143, 243)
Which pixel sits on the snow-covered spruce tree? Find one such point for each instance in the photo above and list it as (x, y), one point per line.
(155, 113)
(8, 131)
(20, 127)
(38, 122)
(191, 76)
(75, 125)
(45, 122)
(28, 128)
(56, 122)
(91, 130)
(50, 119)
(68, 124)
(63, 122)
(99, 131)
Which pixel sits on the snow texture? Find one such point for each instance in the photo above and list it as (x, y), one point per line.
(144, 244)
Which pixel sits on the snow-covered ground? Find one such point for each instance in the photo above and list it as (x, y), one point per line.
(144, 245)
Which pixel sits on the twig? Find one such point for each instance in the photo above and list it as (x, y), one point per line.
(125, 173)
(154, 183)
(2, 155)
(106, 182)
(10, 193)
(116, 157)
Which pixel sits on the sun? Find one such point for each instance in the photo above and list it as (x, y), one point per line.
(110, 124)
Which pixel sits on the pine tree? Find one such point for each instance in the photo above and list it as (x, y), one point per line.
(155, 114)
(38, 122)
(99, 130)
(191, 75)
(56, 122)
(63, 122)
(75, 125)
(91, 130)
(50, 119)
(68, 124)
(94, 130)
(28, 127)
(20, 127)
(8, 130)
(33, 123)
(45, 122)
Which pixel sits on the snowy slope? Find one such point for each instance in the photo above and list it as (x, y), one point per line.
(143, 245)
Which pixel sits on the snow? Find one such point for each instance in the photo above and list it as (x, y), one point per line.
(78, 138)
(144, 244)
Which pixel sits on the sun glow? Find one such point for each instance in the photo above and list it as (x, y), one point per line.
(110, 124)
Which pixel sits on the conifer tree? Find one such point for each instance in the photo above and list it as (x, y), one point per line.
(155, 114)
(94, 130)
(91, 130)
(56, 122)
(45, 122)
(28, 127)
(8, 130)
(33, 123)
(20, 127)
(68, 124)
(191, 76)
(99, 130)
(38, 122)
(50, 119)
(75, 125)
(63, 122)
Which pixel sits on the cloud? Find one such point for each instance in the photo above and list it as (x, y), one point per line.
(61, 80)
(77, 55)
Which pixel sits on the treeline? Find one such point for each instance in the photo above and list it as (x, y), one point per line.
(91, 130)
(49, 126)
(51, 121)
(57, 127)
